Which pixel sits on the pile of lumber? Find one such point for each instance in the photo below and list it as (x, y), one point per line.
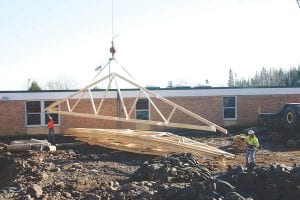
(145, 142)
(238, 142)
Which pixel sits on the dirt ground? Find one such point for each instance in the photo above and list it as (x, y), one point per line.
(92, 172)
(273, 148)
(267, 154)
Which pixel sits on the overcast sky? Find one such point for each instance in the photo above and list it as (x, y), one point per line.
(186, 42)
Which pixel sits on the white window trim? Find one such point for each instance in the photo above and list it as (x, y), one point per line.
(149, 114)
(42, 115)
(26, 113)
(235, 107)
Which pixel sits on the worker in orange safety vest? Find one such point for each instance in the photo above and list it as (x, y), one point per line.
(50, 126)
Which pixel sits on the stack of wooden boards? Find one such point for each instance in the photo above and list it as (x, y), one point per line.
(238, 143)
(145, 142)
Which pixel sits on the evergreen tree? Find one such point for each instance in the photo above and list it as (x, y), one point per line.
(272, 77)
(34, 86)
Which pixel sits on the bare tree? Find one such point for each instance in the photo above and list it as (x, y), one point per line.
(62, 83)
(230, 79)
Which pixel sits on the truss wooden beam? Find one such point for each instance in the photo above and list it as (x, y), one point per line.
(106, 91)
(209, 126)
(175, 105)
(134, 103)
(92, 101)
(121, 97)
(156, 108)
(149, 122)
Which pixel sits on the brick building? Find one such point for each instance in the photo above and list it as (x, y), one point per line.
(22, 112)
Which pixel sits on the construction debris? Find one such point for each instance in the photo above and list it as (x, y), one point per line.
(276, 181)
(91, 172)
(169, 175)
(172, 169)
(26, 145)
(180, 176)
(145, 142)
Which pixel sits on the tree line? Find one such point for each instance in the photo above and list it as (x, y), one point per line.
(267, 78)
(61, 83)
(264, 78)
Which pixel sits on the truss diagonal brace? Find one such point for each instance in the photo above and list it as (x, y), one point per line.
(177, 106)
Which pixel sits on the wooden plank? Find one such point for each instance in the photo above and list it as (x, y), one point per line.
(209, 126)
(120, 143)
(171, 114)
(134, 103)
(54, 104)
(102, 99)
(149, 122)
(152, 138)
(68, 105)
(121, 98)
(92, 101)
(145, 142)
(78, 100)
(155, 107)
(175, 105)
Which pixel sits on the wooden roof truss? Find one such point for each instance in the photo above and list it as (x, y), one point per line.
(166, 119)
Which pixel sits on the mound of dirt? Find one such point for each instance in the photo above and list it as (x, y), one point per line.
(92, 172)
(8, 171)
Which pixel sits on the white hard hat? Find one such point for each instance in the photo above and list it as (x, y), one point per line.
(250, 132)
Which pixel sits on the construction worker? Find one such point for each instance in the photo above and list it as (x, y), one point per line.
(252, 145)
(50, 126)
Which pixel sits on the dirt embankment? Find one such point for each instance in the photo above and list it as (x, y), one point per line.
(91, 172)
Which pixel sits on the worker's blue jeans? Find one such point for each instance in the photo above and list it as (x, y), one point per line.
(250, 156)
(51, 137)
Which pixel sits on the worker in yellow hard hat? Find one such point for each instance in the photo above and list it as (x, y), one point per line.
(252, 145)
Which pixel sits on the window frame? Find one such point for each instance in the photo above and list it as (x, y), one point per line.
(136, 110)
(230, 107)
(32, 113)
(41, 113)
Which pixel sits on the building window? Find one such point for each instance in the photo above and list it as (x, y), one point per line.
(35, 115)
(229, 107)
(142, 109)
(33, 112)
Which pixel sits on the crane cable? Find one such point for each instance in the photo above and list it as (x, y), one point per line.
(112, 49)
